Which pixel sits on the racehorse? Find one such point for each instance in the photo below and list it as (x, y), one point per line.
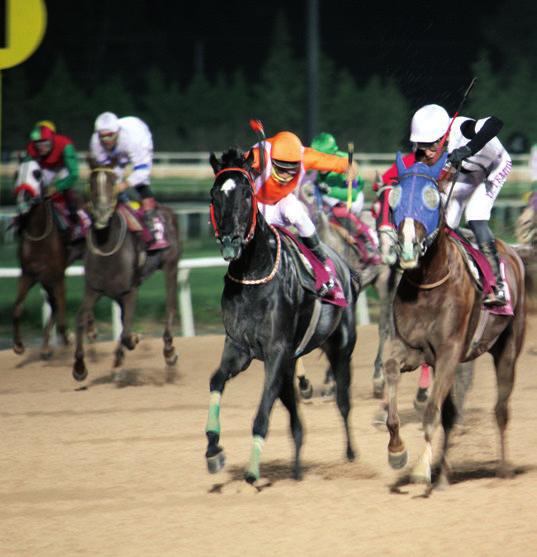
(439, 316)
(116, 263)
(269, 315)
(382, 277)
(44, 252)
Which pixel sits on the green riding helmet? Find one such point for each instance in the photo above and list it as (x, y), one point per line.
(325, 142)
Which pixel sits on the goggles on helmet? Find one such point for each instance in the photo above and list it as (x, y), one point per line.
(283, 171)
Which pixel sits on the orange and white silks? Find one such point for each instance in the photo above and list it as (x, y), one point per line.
(269, 191)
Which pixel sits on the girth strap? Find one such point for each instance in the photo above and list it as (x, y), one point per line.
(314, 320)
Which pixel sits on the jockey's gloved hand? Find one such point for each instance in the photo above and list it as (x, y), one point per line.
(459, 154)
(323, 188)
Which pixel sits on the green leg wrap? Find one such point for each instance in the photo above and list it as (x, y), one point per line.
(255, 456)
(213, 420)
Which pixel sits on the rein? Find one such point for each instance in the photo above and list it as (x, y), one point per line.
(48, 227)
(272, 274)
(122, 233)
(251, 232)
(429, 286)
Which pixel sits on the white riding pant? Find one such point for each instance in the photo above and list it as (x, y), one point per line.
(289, 211)
(474, 194)
(356, 206)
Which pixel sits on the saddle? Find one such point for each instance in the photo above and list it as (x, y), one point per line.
(311, 272)
(356, 233)
(134, 217)
(479, 267)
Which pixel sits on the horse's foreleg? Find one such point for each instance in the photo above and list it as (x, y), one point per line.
(25, 283)
(445, 366)
(127, 339)
(288, 398)
(397, 453)
(234, 360)
(80, 371)
(276, 367)
(171, 312)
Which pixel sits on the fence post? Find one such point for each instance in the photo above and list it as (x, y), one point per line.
(185, 303)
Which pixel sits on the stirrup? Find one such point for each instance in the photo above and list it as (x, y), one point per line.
(326, 287)
(495, 299)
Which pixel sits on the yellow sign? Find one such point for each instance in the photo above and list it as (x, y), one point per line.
(25, 22)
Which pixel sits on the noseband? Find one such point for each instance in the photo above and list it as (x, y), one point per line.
(251, 232)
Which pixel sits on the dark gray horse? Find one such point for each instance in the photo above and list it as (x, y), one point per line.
(116, 263)
(269, 315)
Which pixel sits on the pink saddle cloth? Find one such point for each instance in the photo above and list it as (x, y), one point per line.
(335, 295)
(488, 280)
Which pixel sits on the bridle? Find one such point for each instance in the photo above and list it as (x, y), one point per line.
(251, 232)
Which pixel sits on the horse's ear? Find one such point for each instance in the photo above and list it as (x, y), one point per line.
(215, 163)
(437, 166)
(401, 168)
(250, 159)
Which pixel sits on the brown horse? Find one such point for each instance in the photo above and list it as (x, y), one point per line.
(439, 317)
(116, 263)
(44, 252)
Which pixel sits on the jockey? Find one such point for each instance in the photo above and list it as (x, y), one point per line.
(118, 142)
(57, 157)
(484, 164)
(335, 193)
(286, 161)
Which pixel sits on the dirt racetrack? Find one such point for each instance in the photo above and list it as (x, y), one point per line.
(121, 471)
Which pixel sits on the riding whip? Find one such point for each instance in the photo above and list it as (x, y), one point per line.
(257, 127)
(459, 108)
(349, 180)
(465, 96)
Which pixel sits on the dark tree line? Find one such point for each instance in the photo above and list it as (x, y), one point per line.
(210, 114)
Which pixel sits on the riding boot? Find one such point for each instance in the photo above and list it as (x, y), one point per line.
(499, 296)
(72, 209)
(156, 229)
(314, 244)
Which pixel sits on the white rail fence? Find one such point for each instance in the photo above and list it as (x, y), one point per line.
(184, 295)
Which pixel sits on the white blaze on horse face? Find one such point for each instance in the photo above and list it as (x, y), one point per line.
(227, 186)
(101, 187)
(408, 258)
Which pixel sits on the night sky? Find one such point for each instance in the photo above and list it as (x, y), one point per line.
(427, 47)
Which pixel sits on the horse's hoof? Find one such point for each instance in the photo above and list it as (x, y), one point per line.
(351, 455)
(421, 399)
(18, 348)
(80, 371)
(46, 354)
(378, 388)
(328, 394)
(216, 462)
(307, 393)
(505, 471)
(171, 360)
(398, 460)
(250, 478)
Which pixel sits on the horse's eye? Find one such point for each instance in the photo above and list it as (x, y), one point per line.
(394, 197)
(37, 174)
(431, 197)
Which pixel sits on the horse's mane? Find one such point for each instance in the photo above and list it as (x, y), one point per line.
(234, 156)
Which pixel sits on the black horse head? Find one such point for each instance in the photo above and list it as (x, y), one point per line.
(233, 203)
(103, 195)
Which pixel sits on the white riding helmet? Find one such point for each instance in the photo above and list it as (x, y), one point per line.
(107, 122)
(429, 123)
